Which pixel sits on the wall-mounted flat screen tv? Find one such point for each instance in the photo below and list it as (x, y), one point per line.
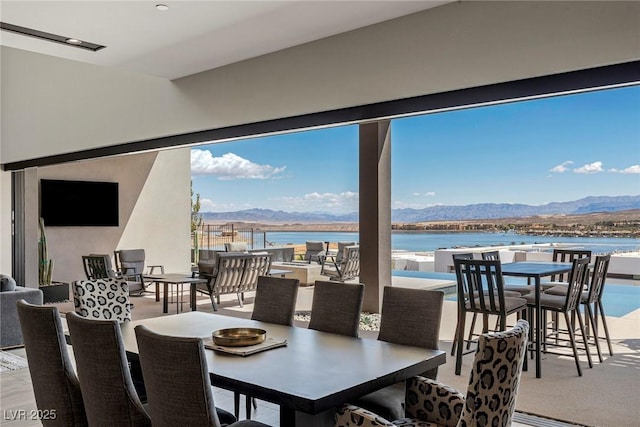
(79, 203)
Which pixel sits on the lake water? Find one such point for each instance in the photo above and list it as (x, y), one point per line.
(417, 242)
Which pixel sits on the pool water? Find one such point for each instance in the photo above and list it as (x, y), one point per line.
(618, 299)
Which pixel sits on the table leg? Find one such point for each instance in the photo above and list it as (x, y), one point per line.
(538, 326)
(157, 291)
(165, 298)
(292, 418)
(192, 297)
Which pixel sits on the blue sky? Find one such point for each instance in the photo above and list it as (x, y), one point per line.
(533, 152)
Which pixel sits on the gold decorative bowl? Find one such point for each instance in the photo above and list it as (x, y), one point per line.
(239, 337)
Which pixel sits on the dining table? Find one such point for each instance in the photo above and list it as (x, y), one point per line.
(309, 377)
(536, 270)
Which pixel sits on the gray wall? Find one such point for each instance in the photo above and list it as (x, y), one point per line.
(154, 203)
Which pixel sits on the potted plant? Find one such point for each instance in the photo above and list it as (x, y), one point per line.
(51, 291)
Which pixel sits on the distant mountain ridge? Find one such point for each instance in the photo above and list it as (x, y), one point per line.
(587, 205)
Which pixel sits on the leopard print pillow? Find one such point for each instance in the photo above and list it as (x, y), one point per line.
(103, 299)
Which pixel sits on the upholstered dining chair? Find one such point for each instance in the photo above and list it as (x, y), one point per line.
(408, 317)
(55, 384)
(106, 299)
(336, 307)
(180, 393)
(491, 394)
(108, 392)
(275, 302)
(481, 290)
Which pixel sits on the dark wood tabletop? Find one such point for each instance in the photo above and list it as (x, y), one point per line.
(315, 372)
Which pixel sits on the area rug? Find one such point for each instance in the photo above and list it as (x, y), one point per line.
(11, 362)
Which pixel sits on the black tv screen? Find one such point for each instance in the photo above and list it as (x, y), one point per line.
(79, 203)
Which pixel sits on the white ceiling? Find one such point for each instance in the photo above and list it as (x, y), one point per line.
(192, 36)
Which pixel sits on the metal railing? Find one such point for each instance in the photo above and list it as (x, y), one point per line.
(211, 236)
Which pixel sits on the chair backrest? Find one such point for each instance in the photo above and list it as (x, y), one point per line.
(236, 247)
(341, 250)
(130, 261)
(109, 396)
(255, 266)
(578, 280)
(230, 269)
(336, 307)
(98, 266)
(491, 255)
(567, 255)
(411, 317)
(480, 286)
(598, 276)
(275, 300)
(55, 384)
(177, 380)
(495, 377)
(466, 255)
(350, 265)
(315, 251)
(105, 299)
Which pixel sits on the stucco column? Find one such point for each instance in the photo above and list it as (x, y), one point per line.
(375, 211)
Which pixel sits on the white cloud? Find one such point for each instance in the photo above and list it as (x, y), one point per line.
(594, 167)
(430, 194)
(230, 166)
(332, 202)
(562, 167)
(635, 169)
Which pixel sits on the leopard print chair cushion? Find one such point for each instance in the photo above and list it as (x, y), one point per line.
(430, 400)
(490, 399)
(495, 377)
(102, 299)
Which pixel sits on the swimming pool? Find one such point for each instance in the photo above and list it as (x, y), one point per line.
(618, 299)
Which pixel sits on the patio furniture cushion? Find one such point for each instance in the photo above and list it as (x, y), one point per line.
(105, 299)
(10, 331)
(236, 247)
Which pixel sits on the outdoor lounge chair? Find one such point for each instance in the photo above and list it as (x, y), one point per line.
(347, 268)
(315, 251)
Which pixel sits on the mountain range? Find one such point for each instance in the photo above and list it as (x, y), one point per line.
(593, 204)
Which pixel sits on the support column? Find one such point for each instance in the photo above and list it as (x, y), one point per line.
(375, 211)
